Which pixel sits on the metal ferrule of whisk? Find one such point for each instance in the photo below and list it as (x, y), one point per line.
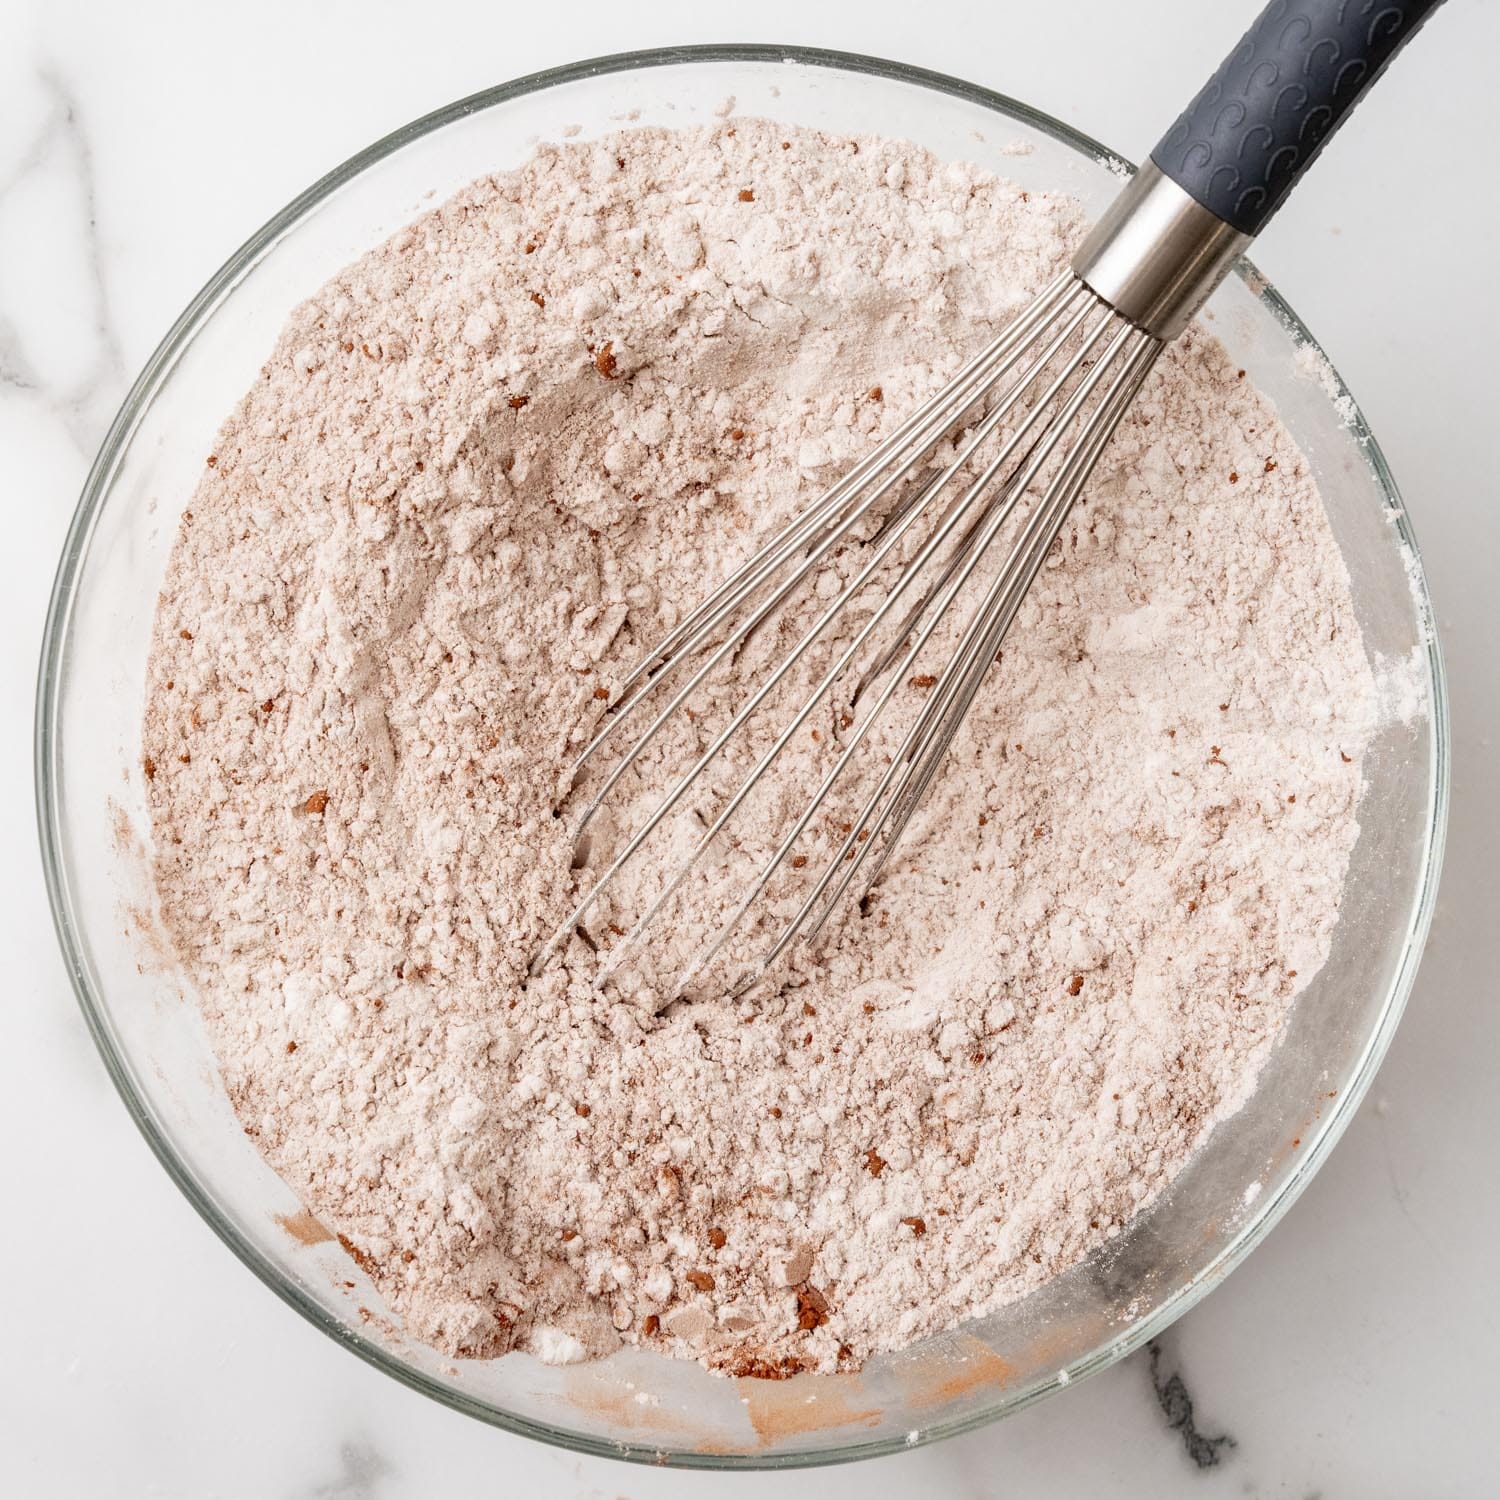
(976, 483)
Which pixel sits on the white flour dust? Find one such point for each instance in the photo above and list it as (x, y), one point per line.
(484, 467)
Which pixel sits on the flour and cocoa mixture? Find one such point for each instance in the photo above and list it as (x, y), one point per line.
(485, 466)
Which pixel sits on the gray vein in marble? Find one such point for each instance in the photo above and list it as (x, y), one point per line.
(363, 1470)
(84, 406)
(15, 368)
(1399, 1196)
(1177, 1406)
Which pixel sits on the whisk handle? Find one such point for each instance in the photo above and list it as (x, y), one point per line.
(1260, 121)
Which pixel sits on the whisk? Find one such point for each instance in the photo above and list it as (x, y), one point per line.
(1032, 413)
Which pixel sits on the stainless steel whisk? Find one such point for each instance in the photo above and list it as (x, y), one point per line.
(1050, 390)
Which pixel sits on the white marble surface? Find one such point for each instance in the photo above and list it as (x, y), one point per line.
(1351, 1356)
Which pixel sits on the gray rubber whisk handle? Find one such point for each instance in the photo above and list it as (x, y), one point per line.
(1260, 121)
(1236, 151)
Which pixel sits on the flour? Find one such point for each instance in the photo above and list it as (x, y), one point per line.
(485, 466)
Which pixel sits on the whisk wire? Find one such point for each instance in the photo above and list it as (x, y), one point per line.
(1081, 302)
(1065, 344)
(946, 524)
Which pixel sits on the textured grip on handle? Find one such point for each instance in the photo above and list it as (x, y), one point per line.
(1263, 117)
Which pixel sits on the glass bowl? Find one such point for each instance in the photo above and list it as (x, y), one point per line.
(95, 834)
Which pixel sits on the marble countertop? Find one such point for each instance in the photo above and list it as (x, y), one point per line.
(1350, 1356)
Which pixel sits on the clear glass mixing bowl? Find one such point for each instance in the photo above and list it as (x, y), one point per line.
(94, 830)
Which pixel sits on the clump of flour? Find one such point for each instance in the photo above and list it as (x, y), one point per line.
(485, 466)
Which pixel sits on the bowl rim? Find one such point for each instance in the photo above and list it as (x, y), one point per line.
(69, 929)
